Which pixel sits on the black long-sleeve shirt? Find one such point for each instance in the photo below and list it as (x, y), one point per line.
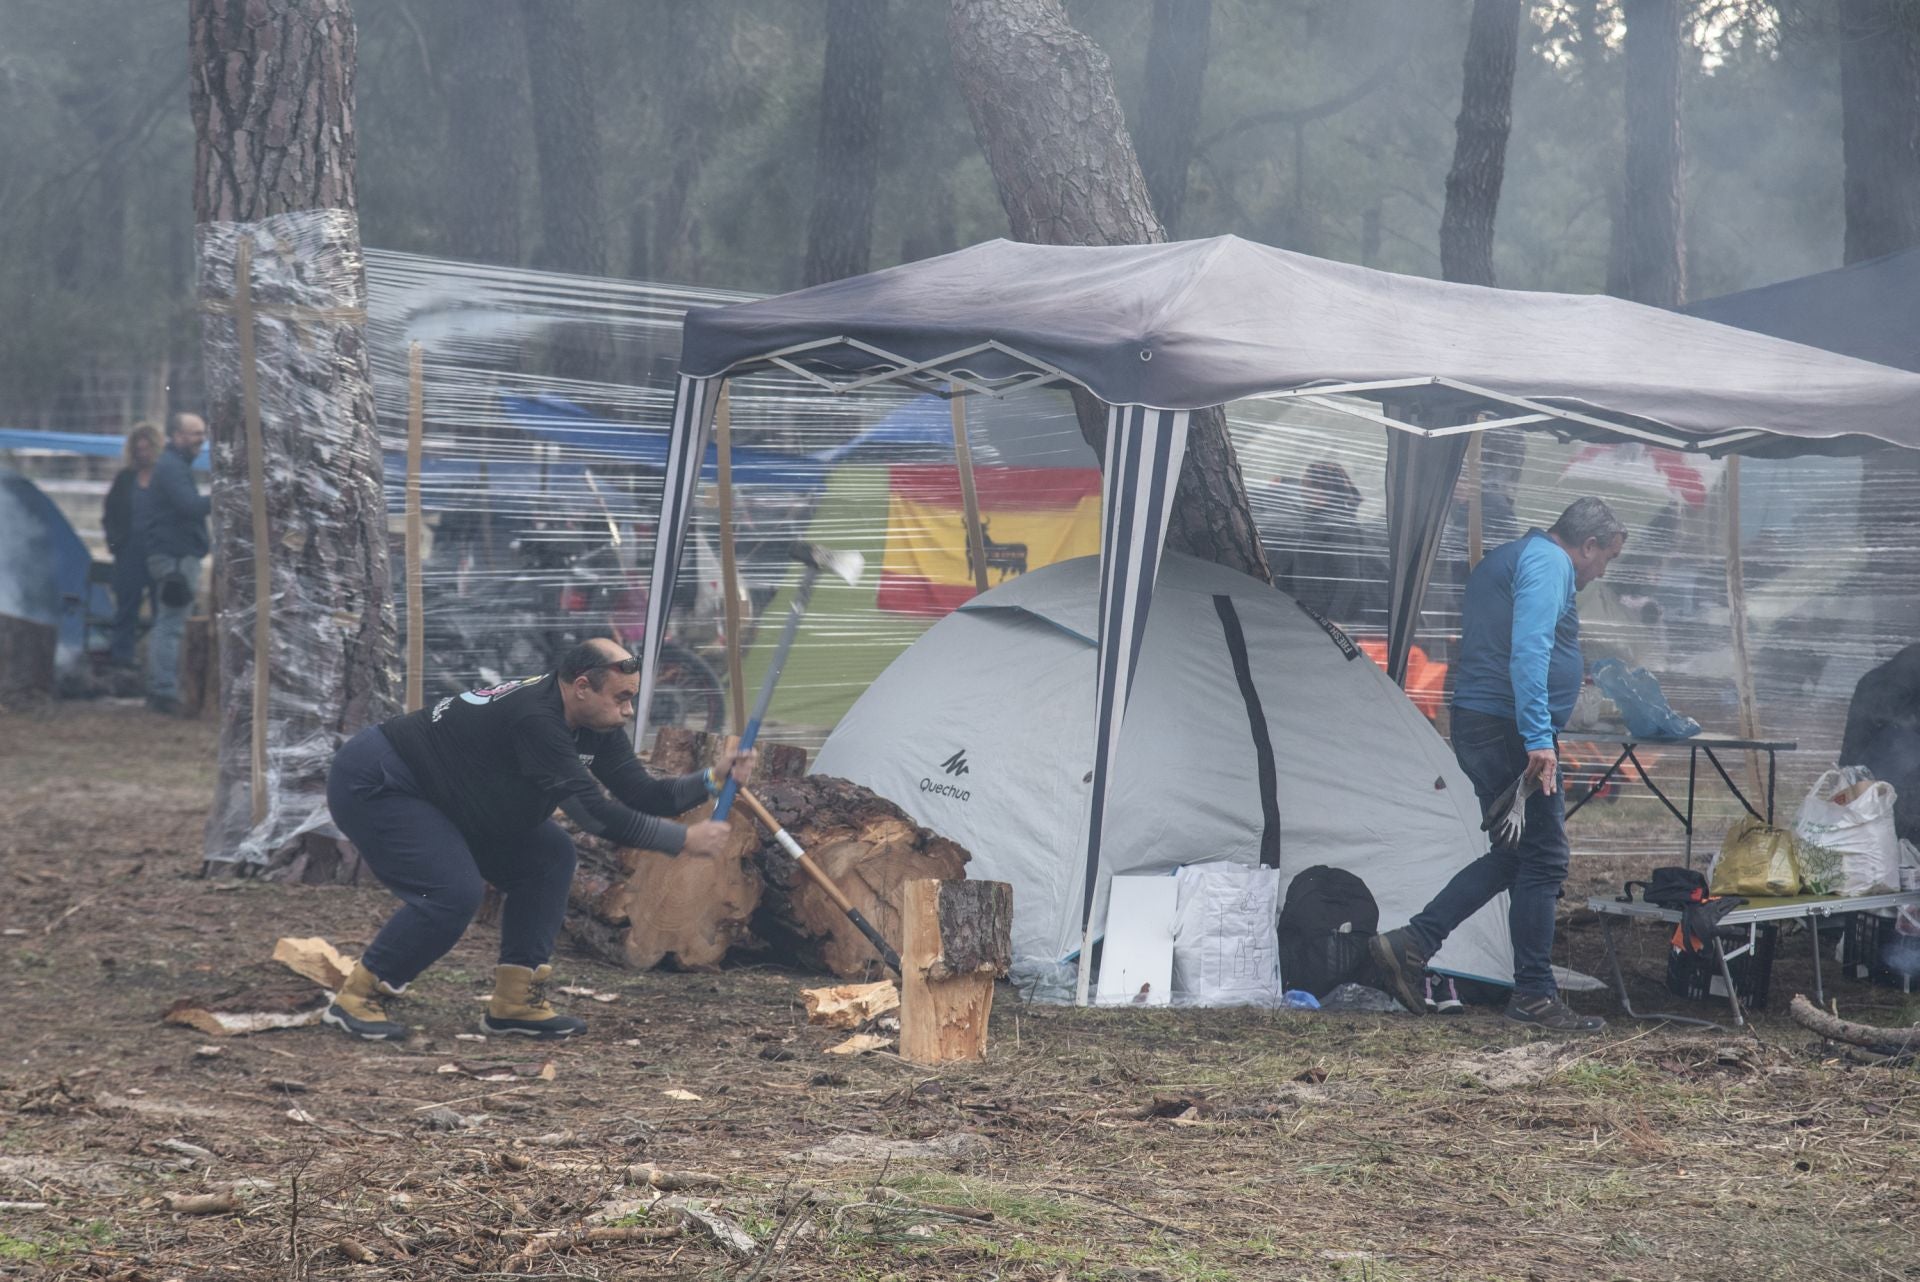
(497, 762)
(177, 515)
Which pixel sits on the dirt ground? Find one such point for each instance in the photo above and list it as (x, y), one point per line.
(1189, 1145)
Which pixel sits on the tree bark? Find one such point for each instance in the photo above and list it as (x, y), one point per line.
(566, 133)
(1880, 125)
(1480, 143)
(1886, 1041)
(1648, 243)
(272, 101)
(840, 233)
(488, 132)
(1170, 112)
(1043, 106)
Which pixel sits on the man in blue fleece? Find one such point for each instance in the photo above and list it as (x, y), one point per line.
(1515, 682)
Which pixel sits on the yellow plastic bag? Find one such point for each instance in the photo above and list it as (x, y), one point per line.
(1756, 860)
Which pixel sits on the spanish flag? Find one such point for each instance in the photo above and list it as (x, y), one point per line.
(1029, 516)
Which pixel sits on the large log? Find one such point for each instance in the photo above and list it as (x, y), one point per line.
(26, 660)
(867, 846)
(642, 908)
(1886, 1041)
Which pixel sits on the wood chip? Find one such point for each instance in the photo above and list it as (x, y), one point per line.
(677, 1093)
(356, 1252)
(849, 1005)
(222, 1202)
(314, 958)
(860, 1044)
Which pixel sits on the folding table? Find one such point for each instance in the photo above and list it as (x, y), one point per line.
(1811, 909)
(1706, 742)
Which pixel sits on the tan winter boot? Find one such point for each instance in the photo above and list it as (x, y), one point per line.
(357, 1008)
(519, 1005)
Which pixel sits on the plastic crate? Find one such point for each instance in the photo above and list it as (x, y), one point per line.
(1873, 949)
(1697, 975)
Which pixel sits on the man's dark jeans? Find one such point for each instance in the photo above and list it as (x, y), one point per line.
(438, 874)
(1531, 870)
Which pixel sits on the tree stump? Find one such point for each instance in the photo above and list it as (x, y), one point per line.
(867, 846)
(642, 908)
(956, 940)
(26, 660)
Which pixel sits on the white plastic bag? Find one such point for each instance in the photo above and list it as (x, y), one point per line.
(1909, 867)
(1226, 951)
(1848, 845)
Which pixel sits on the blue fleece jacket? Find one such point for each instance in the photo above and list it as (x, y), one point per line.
(1520, 638)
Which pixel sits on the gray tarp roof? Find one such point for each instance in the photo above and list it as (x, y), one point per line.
(1869, 310)
(1198, 323)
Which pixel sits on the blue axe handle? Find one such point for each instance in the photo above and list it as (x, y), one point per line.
(723, 807)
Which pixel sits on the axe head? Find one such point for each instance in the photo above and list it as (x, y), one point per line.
(842, 565)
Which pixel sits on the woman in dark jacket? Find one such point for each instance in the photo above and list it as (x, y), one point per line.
(123, 519)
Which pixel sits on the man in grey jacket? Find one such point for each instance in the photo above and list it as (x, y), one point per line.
(176, 541)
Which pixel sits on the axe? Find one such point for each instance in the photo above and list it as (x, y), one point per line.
(844, 565)
(813, 870)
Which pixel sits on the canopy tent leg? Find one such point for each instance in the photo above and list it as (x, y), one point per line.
(1145, 448)
(729, 564)
(963, 459)
(686, 446)
(1737, 617)
(1421, 471)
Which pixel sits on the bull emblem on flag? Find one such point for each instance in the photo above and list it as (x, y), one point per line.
(1007, 558)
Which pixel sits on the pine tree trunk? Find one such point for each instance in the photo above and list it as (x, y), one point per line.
(1880, 142)
(1880, 125)
(1043, 107)
(1480, 143)
(847, 169)
(1648, 239)
(483, 68)
(272, 100)
(1170, 111)
(566, 133)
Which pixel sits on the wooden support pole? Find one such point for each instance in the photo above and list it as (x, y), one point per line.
(729, 566)
(257, 485)
(416, 593)
(1476, 505)
(963, 458)
(1737, 619)
(955, 941)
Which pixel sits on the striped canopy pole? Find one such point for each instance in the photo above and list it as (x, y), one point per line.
(693, 402)
(1144, 451)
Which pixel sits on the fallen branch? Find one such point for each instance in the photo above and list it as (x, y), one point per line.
(586, 1237)
(221, 1203)
(671, 1181)
(1883, 1040)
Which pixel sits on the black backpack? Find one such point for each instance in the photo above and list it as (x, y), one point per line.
(1324, 926)
(1687, 891)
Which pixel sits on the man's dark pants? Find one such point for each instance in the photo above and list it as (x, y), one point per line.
(131, 588)
(1532, 870)
(439, 875)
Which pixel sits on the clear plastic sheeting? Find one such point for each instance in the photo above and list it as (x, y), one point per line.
(331, 622)
(546, 405)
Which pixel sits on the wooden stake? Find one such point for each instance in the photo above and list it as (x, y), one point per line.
(416, 594)
(955, 941)
(963, 458)
(729, 567)
(1475, 506)
(257, 484)
(1737, 618)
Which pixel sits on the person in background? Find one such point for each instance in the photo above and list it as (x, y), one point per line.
(1328, 562)
(124, 519)
(1518, 674)
(175, 534)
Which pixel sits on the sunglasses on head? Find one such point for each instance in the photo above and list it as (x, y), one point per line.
(626, 667)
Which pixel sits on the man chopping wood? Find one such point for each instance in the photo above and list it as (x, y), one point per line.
(443, 801)
(1515, 683)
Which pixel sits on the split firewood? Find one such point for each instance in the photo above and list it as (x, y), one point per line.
(314, 958)
(222, 1202)
(849, 1005)
(1873, 1037)
(256, 1008)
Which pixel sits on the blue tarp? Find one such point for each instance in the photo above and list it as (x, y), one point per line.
(90, 443)
(44, 567)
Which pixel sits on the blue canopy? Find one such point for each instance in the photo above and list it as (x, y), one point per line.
(45, 568)
(1869, 310)
(94, 444)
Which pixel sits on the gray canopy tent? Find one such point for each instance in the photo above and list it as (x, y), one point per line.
(1157, 331)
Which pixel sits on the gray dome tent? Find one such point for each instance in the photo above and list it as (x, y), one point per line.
(983, 731)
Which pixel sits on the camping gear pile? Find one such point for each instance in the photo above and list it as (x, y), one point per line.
(1843, 842)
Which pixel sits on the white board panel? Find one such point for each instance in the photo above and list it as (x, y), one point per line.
(1136, 961)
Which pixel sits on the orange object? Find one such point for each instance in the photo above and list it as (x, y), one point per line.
(1426, 680)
